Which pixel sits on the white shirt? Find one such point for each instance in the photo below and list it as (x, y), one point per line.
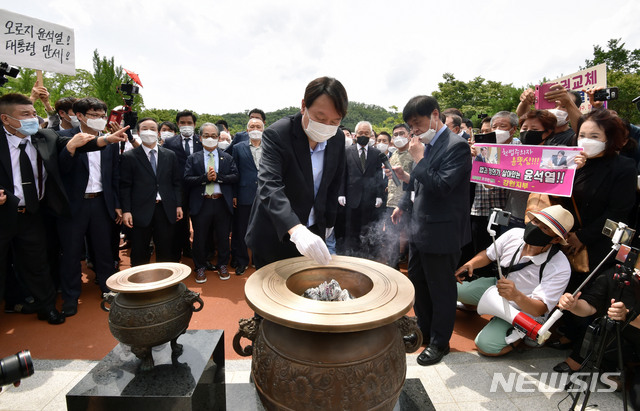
(554, 278)
(216, 186)
(366, 150)
(147, 150)
(94, 184)
(14, 152)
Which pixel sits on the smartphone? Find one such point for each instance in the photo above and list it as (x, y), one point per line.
(115, 116)
(610, 228)
(606, 94)
(541, 103)
(487, 138)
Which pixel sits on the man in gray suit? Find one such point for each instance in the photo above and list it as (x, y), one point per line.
(439, 220)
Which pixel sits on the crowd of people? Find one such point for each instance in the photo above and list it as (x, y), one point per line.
(308, 185)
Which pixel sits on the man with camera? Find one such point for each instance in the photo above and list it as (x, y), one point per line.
(535, 274)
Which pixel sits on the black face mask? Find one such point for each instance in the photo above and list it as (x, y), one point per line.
(533, 235)
(362, 140)
(531, 137)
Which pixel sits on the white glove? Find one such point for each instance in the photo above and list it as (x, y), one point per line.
(310, 245)
(328, 232)
(378, 202)
(342, 200)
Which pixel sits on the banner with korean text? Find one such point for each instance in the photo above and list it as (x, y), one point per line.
(595, 76)
(37, 44)
(535, 169)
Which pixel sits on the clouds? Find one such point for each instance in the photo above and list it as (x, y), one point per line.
(227, 56)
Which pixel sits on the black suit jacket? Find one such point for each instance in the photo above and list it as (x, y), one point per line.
(139, 185)
(440, 222)
(75, 175)
(195, 179)
(285, 186)
(240, 137)
(245, 189)
(48, 144)
(176, 144)
(362, 186)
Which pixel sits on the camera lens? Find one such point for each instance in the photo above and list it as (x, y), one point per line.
(15, 367)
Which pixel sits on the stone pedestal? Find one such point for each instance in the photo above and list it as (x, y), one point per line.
(193, 381)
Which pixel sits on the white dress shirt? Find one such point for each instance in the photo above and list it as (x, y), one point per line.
(14, 152)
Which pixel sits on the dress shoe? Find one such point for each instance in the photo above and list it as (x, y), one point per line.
(432, 355)
(223, 272)
(240, 270)
(51, 316)
(563, 367)
(233, 263)
(209, 266)
(69, 310)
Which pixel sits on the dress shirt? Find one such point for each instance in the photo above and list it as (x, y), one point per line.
(94, 184)
(317, 166)
(216, 186)
(14, 151)
(256, 152)
(147, 150)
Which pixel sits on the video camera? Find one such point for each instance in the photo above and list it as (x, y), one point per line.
(128, 91)
(15, 367)
(7, 70)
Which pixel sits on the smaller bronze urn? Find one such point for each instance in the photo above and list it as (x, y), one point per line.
(150, 306)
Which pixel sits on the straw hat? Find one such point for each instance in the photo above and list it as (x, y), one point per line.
(558, 219)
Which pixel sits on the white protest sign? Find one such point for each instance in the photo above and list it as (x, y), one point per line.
(33, 43)
(588, 78)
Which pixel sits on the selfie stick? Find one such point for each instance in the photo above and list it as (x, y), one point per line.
(492, 233)
(543, 333)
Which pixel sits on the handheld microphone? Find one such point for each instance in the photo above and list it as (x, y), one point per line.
(385, 161)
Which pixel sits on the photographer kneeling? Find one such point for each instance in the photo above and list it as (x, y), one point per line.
(535, 272)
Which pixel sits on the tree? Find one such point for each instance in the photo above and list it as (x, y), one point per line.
(617, 57)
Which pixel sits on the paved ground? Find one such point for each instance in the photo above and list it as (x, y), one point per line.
(462, 381)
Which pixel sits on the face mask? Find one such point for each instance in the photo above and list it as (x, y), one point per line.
(428, 135)
(363, 140)
(502, 136)
(382, 147)
(533, 235)
(28, 126)
(531, 137)
(392, 150)
(319, 132)
(591, 146)
(209, 142)
(561, 115)
(186, 131)
(166, 134)
(348, 141)
(98, 124)
(400, 141)
(255, 135)
(74, 121)
(148, 136)
(223, 145)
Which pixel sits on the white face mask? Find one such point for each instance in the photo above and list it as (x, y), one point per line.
(319, 132)
(561, 115)
(255, 135)
(428, 135)
(400, 141)
(502, 136)
(371, 142)
(186, 131)
(209, 142)
(166, 134)
(223, 145)
(348, 141)
(382, 147)
(98, 124)
(74, 121)
(591, 146)
(148, 136)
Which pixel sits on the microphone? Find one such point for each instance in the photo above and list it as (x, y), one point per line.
(385, 160)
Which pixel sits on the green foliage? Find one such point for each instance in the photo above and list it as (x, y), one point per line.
(617, 57)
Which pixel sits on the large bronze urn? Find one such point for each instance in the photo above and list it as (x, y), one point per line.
(328, 355)
(150, 306)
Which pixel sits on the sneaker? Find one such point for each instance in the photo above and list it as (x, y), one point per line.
(201, 276)
(223, 273)
(240, 270)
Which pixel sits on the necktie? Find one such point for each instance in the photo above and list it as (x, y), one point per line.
(363, 159)
(152, 160)
(427, 149)
(28, 180)
(210, 163)
(187, 149)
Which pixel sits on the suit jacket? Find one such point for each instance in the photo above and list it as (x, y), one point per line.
(285, 186)
(176, 144)
(139, 185)
(440, 222)
(237, 139)
(362, 186)
(195, 179)
(48, 144)
(75, 175)
(245, 189)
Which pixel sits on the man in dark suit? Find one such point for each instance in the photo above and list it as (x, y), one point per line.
(361, 192)
(246, 155)
(91, 181)
(300, 173)
(183, 145)
(151, 195)
(209, 176)
(244, 135)
(440, 224)
(29, 182)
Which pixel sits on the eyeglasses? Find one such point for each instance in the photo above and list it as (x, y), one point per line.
(91, 115)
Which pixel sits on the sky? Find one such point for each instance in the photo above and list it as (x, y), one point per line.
(219, 56)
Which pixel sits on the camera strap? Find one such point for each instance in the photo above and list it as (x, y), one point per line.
(516, 267)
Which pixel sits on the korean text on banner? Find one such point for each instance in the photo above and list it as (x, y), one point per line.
(37, 44)
(595, 76)
(535, 169)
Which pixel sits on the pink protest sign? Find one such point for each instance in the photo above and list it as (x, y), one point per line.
(535, 169)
